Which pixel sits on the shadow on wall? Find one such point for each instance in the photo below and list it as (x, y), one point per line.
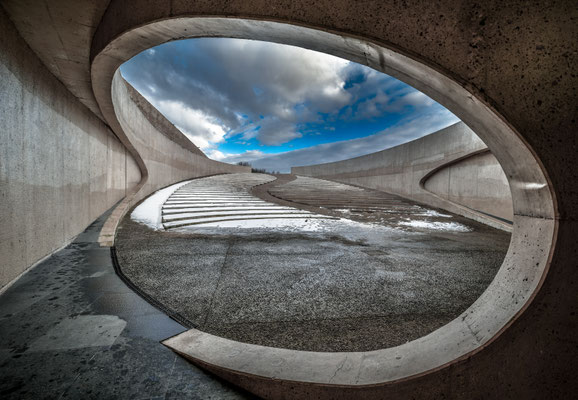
(451, 169)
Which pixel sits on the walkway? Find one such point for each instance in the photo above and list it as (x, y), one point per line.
(71, 329)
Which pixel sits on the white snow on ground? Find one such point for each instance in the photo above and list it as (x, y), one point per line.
(207, 213)
(231, 208)
(423, 212)
(213, 213)
(214, 196)
(431, 213)
(149, 211)
(305, 224)
(256, 221)
(207, 205)
(199, 211)
(205, 196)
(210, 203)
(289, 224)
(436, 226)
(345, 228)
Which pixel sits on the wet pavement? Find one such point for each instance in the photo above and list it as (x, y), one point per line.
(71, 329)
(392, 276)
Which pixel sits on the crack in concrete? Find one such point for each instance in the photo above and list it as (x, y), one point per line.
(339, 368)
(221, 273)
(474, 334)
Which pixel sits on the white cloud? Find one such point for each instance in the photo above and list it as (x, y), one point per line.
(275, 131)
(382, 103)
(336, 151)
(229, 89)
(234, 158)
(215, 154)
(417, 99)
(231, 82)
(203, 130)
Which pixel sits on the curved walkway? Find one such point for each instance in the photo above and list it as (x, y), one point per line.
(335, 195)
(71, 329)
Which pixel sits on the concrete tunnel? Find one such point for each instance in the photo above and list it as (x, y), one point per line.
(81, 148)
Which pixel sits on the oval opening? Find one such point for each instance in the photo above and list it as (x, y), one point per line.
(336, 257)
(524, 265)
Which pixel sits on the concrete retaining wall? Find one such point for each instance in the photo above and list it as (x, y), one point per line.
(451, 169)
(505, 68)
(60, 165)
(477, 182)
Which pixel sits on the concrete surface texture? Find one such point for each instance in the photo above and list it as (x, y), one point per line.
(71, 329)
(481, 86)
(329, 285)
(504, 68)
(354, 202)
(60, 33)
(161, 124)
(60, 166)
(449, 169)
(477, 182)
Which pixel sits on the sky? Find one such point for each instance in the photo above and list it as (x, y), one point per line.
(277, 106)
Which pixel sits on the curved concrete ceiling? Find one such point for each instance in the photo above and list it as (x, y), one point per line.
(481, 324)
(60, 33)
(506, 70)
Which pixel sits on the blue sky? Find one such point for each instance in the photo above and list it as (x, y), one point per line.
(275, 105)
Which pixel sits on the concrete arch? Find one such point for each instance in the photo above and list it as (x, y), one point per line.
(419, 365)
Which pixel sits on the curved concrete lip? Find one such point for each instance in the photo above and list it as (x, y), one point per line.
(515, 284)
(487, 218)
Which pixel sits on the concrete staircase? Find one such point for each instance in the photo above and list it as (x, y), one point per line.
(210, 201)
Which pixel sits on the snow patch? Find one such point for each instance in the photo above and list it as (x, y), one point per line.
(286, 224)
(432, 213)
(149, 211)
(247, 213)
(436, 226)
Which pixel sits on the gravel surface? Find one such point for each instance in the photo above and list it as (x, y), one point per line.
(357, 286)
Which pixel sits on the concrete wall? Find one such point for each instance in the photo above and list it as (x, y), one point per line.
(60, 165)
(450, 169)
(477, 182)
(505, 68)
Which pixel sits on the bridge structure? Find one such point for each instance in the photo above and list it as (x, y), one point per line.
(81, 150)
